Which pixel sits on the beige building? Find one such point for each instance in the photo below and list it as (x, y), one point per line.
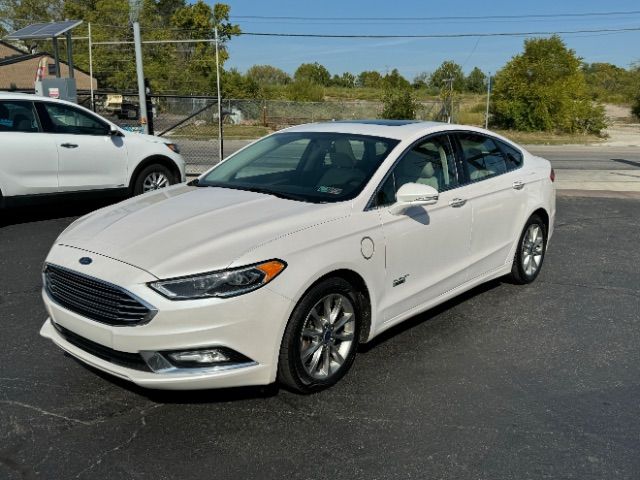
(18, 69)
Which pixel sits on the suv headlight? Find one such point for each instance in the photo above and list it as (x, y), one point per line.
(222, 284)
(173, 147)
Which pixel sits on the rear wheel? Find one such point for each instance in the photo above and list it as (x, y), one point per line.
(153, 177)
(529, 256)
(319, 344)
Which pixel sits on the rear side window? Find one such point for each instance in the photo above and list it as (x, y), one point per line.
(482, 156)
(66, 119)
(18, 116)
(513, 156)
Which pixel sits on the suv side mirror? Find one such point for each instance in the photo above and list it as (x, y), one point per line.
(414, 195)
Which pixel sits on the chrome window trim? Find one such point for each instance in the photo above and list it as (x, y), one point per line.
(371, 203)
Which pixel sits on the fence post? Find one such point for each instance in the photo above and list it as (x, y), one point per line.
(264, 114)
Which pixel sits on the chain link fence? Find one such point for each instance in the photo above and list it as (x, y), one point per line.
(192, 121)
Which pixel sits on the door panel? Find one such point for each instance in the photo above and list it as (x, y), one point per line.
(29, 159)
(89, 158)
(426, 253)
(426, 247)
(495, 203)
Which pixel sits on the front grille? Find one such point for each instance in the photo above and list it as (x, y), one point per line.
(124, 359)
(94, 299)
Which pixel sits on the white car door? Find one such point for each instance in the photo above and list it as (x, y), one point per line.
(426, 247)
(28, 157)
(497, 198)
(89, 157)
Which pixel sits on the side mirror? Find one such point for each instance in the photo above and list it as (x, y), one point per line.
(414, 195)
(114, 132)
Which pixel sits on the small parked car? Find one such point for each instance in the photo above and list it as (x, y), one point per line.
(275, 264)
(52, 147)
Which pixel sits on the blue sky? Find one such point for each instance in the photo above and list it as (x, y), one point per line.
(412, 56)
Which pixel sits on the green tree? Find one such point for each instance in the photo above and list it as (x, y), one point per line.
(608, 82)
(395, 80)
(448, 69)
(369, 79)
(421, 80)
(314, 73)
(236, 85)
(346, 80)
(476, 81)
(544, 89)
(268, 75)
(399, 104)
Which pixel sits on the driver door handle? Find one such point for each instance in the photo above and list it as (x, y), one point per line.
(69, 145)
(518, 185)
(457, 202)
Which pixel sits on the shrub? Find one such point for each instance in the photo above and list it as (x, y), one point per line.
(399, 104)
(305, 91)
(544, 89)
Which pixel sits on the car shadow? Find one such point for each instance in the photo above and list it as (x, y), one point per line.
(430, 314)
(632, 163)
(223, 395)
(52, 210)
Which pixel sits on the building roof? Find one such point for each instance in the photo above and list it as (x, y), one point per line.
(28, 56)
(18, 50)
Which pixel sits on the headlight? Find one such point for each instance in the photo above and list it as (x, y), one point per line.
(173, 146)
(223, 284)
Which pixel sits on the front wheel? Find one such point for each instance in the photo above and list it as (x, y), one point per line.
(529, 256)
(319, 344)
(153, 177)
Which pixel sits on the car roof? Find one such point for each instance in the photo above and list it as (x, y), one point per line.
(27, 96)
(396, 129)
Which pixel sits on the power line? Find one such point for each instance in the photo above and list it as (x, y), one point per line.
(470, 17)
(439, 35)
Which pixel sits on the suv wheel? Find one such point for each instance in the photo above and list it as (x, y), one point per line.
(153, 177)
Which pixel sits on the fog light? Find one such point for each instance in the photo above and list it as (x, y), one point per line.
(203, 357)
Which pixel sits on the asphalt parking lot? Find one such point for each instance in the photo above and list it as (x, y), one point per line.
(506, 382)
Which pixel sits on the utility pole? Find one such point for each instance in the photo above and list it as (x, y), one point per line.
(450, 109)
(220, 141)
(486, 116)
(134, 12)
(93, 103)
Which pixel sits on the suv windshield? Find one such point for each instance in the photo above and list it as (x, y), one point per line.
(307, 166)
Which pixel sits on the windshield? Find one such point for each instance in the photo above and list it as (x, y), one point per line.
(307, 166)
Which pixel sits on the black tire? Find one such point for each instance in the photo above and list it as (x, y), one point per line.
(519, 273)
(154, 168)
(291, 371)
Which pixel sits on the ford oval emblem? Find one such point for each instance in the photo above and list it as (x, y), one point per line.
(85, 261)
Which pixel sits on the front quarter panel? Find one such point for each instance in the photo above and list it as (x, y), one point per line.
(316, 252)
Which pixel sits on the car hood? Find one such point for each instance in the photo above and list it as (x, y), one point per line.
(184, 230)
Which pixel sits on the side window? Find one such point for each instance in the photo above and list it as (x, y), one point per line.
(514, 156)
(482, 156)
(65, 119)
(430, 163)
(18, 116)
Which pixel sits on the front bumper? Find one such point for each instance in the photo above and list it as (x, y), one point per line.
(251, 324)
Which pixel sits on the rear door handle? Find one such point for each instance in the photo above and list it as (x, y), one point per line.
(518, 185)
(69, 145)
(457, 202)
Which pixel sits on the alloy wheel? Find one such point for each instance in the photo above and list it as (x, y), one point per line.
(327, 336)
(154, 181)
(532, 249)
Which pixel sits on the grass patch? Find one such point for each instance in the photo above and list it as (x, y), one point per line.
(231, 132)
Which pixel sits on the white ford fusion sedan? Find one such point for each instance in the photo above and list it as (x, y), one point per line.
(275, 264)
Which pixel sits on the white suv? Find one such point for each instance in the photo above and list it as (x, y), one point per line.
(56, 147)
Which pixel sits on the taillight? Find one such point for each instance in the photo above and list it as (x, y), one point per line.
(552, 175)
